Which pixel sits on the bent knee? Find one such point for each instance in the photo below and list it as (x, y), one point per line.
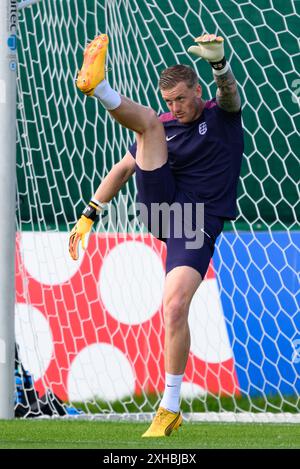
(151, 122)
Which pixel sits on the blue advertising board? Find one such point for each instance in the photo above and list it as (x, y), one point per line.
(258, 277)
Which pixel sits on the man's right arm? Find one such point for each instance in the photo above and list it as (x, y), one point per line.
(107, 190)
(115, 179)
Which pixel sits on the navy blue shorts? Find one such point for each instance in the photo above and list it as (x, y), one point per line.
(159, 187)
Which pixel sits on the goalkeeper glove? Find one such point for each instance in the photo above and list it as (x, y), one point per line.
(211, 48)
(83, 227)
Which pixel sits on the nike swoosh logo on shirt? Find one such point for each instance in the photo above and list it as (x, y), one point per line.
(170, 138)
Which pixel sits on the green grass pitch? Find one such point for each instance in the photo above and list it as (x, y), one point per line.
(62, 434)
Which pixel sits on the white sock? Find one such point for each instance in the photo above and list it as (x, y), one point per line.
(170, 400)
(108, 97)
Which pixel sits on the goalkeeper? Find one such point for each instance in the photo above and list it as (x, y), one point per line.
(189, 155)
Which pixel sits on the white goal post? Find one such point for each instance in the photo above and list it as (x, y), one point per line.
(92, 331)
(8, 47)
(26, 3)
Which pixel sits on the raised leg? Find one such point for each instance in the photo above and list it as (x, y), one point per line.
(152, 149)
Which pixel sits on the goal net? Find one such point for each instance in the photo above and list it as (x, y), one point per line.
(91, 332)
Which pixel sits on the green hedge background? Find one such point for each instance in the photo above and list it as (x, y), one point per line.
(66, 143)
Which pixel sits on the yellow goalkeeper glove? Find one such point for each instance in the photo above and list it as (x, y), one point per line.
(82, 228)
(211, 48)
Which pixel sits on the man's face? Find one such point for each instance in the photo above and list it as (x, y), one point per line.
(183, 102)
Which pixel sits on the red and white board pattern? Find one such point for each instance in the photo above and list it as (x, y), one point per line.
(94, 328)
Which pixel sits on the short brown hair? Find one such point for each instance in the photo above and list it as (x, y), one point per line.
(171, 76)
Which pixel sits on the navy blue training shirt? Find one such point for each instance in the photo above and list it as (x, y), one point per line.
(205, 157)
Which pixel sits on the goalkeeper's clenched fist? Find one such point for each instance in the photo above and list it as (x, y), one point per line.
(82, 228)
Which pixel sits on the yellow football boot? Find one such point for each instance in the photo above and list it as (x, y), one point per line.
(93, 68)
(163, 423)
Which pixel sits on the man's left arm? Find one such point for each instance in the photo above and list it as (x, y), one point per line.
(211, 48)
(228, 97)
